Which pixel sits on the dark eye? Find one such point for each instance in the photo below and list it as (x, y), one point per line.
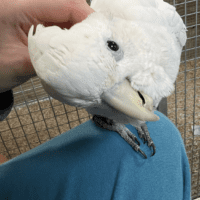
(112, 45)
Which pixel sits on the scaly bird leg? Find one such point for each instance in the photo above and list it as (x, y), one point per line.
(124, 132)
(144, 133)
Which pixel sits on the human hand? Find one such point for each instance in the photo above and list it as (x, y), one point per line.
(16, 18)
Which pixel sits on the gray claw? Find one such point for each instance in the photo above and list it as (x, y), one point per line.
(141, 152)
(154, 149)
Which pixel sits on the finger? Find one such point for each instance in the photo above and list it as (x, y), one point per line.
(63, 13)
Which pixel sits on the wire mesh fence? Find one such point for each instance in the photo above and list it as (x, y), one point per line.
(37, 118)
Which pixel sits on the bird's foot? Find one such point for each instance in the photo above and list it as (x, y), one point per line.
(124, 132)
(144, 134)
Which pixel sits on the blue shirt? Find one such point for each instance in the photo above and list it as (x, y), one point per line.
(90, 163)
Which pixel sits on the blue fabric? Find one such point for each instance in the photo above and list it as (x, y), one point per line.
(90, 163)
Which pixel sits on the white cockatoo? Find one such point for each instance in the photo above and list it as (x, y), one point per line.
(117, 64)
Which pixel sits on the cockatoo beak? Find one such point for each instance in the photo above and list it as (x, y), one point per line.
(130, 102)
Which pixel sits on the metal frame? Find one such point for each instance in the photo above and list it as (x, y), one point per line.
(162, 107)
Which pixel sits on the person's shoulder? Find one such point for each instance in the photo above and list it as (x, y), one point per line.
(165, 127)
(164, 121)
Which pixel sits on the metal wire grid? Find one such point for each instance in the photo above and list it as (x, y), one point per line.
(32, 93)
(38, 101)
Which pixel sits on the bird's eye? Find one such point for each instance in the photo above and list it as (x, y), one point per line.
(112, 45)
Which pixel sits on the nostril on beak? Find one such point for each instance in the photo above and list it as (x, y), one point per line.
(143, 100)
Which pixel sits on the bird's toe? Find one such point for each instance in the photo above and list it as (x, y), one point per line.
(153, 148)
(133, 137)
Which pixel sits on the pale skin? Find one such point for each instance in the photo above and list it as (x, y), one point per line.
(16, 18)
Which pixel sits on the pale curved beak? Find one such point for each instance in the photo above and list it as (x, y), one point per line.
(128, 101)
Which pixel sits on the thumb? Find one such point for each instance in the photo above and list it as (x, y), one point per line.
(63, 13)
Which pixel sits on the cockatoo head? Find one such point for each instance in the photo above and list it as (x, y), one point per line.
(128, 64)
